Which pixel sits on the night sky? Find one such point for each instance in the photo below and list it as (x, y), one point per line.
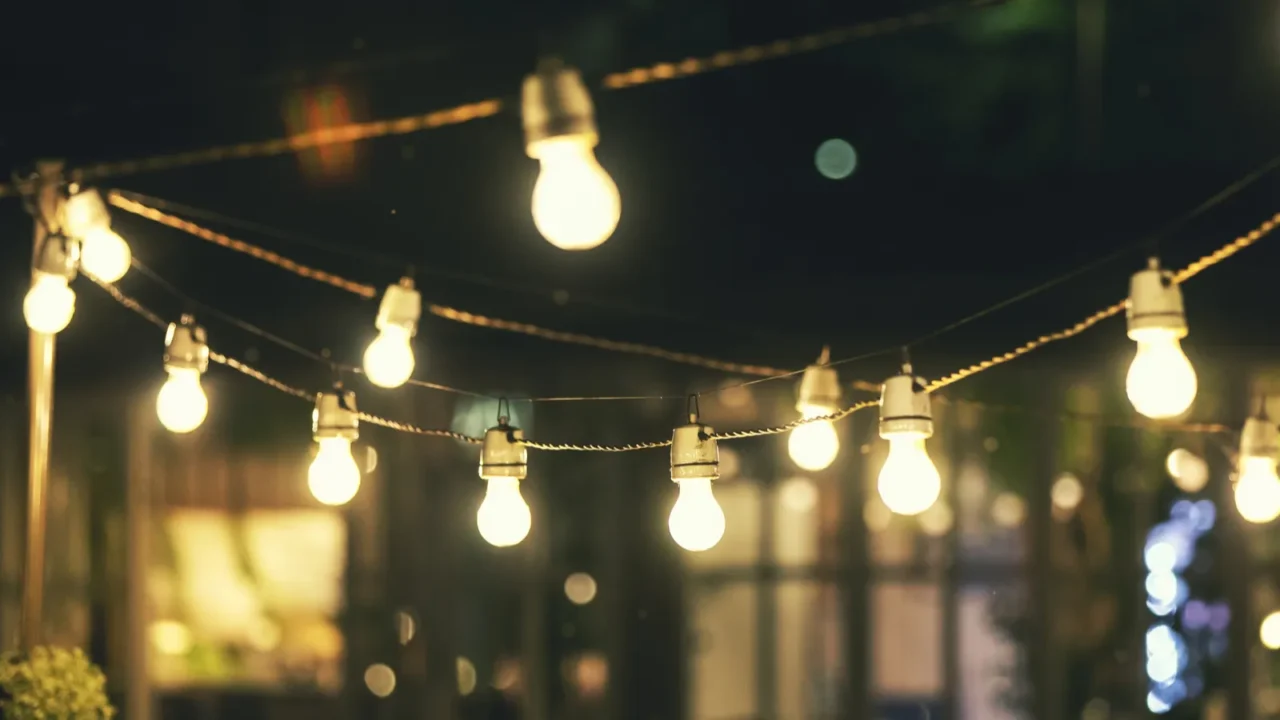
(982, 171)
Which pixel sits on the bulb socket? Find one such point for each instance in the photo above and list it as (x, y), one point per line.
(905, 407)
(401, 306)
(1155, 302)
(819, 387)
(58, 255)
(555, 103)
(335, 416)
(186, 346)
(503, 453)
(84, 212)
(1259, 438)
(694, 453)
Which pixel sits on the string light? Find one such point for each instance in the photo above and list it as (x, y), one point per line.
(1257, 491)
(503, 519)
(333, 477)
(576, 205)
(103, 252)
(909, 482)
(389, 361)
(50, 303)
(814, 446)
(1161, 382)
(697, 522)
(181, 403)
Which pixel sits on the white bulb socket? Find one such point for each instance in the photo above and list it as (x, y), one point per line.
(904, 406)
(58, 256)
(335, 416)
(819, 387)
(1155, 302)
(555, 103)
(186, 347)
(503, 453)
(694, 453)
(85, 212)
(1260, 438)
(401, 307)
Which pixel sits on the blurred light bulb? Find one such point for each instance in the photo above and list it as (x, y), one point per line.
(1258, 490)
(503, 518)
(576, 205)
(909, 482)
(104, 254)
(1269, 631)
(388, 362)
(1161, 382)
(182, 404)
(814, 446)
(696, 522)
(333, 476)
(49, 303)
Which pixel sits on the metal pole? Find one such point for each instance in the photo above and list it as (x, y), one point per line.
(40, 423)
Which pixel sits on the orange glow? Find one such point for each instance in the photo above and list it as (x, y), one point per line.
(315, 111)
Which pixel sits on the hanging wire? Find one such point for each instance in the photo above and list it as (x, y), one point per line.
(647, 75)
(1195, 268)
(388, 260)
(1205, 262)
(763, 373)
(1147, 241)
(464, 317)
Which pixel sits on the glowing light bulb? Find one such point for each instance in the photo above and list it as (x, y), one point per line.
(182, 404)
(1269, 631)
(388, 362)
(576, 205)
(696, 521)
(49, 303)
(104, 254)
(1161, 382)
(909, 482)
(814, 446)
(1258, 490)
(333, 476)
(503, 518)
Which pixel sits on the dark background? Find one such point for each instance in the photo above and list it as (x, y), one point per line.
(988, 162)
(991, 158)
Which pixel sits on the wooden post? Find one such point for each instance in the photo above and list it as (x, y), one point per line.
(140, 461)
(40, 420)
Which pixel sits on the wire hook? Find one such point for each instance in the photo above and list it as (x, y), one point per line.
(693, 408)
(504, 417)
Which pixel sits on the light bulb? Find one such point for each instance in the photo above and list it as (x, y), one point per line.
(576, 205)
(388, 362)
(333, 476)
(182, 404)
(814, 446)
(1258, 490)
(1161, 382)
(909, 483)
(696, 522)
(104, 254)
(49, 303)
(503, 518)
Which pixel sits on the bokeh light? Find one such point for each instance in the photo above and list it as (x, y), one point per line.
(798, 494)
(1189, 471)
(1008, 510)
(580, 588)
(380, 679)
(466, 677)
(836, 159)
(1269, 631)
(1067, 492)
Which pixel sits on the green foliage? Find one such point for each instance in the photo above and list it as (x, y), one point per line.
(52, 682)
